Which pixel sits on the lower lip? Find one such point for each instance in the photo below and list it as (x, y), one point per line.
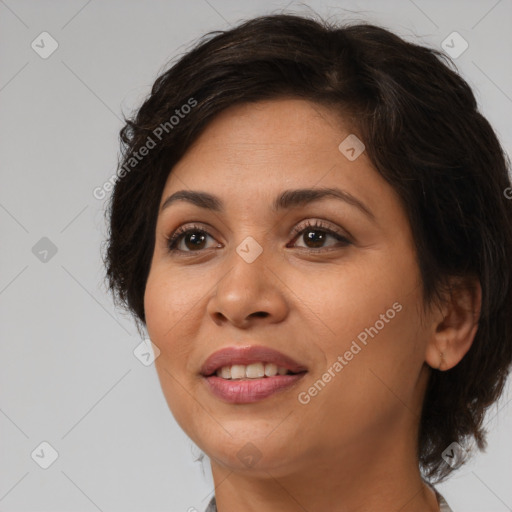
(247, 391)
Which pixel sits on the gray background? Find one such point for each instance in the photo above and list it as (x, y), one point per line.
(68, 375)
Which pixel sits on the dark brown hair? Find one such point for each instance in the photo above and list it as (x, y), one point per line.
(423, 133)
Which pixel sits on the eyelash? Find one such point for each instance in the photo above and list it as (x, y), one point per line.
(175, 238)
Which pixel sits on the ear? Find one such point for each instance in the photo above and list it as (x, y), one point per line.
(455, 325)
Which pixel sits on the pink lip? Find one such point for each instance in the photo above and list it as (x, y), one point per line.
(249, 390)
(246, 391)
(247, 355)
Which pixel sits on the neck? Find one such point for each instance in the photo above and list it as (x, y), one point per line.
(365, 477)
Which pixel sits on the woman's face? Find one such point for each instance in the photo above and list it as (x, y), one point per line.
(342, 300)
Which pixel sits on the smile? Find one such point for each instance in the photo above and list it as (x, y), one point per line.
(250, 373)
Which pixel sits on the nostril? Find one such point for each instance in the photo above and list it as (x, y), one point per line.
(260, 314)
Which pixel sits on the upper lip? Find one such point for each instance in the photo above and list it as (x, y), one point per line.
(246, 355)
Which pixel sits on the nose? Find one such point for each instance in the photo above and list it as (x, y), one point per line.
(249, 293)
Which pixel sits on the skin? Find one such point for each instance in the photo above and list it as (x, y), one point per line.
(353, 446)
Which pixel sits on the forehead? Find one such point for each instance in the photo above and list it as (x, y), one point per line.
(254, 150)
(289, 127)
(248, 135)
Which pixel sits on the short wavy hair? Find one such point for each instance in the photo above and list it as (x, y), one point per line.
(423, 133)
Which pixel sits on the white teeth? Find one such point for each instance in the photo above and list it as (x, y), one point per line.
(238, 371)
(225, 372)
(270, 369)
(250, 371)
(255, 371)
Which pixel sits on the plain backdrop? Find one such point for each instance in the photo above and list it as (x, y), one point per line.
(68, 373)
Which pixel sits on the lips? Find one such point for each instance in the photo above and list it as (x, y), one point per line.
(250, 390)
(246, 355)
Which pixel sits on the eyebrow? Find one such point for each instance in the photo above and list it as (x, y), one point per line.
(286, 200)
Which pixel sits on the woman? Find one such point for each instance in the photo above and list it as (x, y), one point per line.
(312, 223)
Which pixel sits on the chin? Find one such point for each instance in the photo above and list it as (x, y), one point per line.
(259, 454)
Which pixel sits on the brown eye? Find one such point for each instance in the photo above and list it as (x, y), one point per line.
(192, 239)
(314, 235)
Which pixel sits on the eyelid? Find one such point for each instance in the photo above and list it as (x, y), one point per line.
(321, 225)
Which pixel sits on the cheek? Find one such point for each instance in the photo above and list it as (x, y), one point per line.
(377, 385)
(166, 305)
(388, 325)
(372, 314)
(357, 295)
(167, 309)
(384, 358)
(158, 308)
(170, 300)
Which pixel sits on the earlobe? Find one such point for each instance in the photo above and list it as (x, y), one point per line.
(441, 361)
(455, 327)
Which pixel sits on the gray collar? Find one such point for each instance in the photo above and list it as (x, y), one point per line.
(212, 506)
(443, 506)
